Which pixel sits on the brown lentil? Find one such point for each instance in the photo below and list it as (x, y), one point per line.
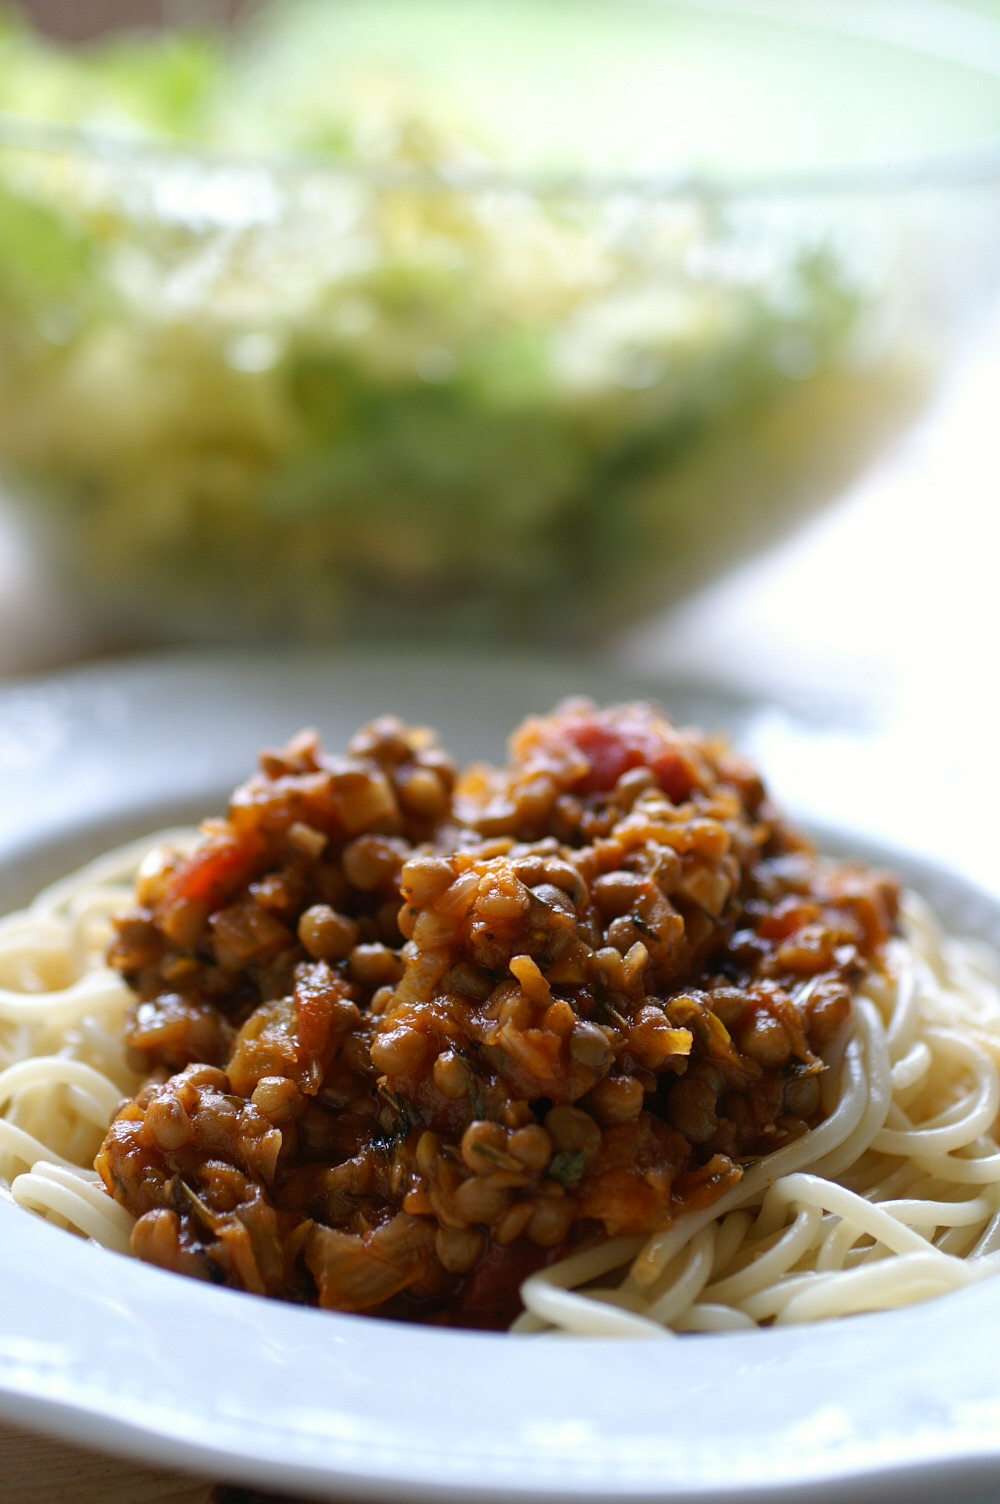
(327, 935)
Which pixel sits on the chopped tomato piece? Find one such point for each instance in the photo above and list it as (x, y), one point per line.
(623, 737)
(216, 869)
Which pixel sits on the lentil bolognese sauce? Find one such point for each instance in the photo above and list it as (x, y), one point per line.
(412, 1035)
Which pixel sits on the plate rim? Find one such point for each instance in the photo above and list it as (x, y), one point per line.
(961, 1441)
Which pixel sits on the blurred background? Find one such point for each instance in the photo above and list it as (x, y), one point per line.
(659, 333)
(515, 326)
(655, 330)
(662, 332)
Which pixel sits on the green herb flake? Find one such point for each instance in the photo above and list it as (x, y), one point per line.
(497, 1157)
(567, 1168)
(392, 1116)
(616, 1016)
(476, 1099)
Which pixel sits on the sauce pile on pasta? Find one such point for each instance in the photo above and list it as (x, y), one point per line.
(412, 1035)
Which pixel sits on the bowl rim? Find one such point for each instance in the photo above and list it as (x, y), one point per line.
(859, 1412)
(936, 30)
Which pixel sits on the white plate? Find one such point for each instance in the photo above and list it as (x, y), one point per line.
(94, 1347)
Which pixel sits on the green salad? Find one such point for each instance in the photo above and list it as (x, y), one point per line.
(293, 342)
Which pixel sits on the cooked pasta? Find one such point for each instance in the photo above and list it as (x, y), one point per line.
(63, 1066)
(893, 1198)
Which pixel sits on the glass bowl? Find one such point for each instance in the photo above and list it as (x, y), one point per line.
(517, 325)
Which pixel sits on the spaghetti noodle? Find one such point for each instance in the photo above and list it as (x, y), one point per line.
(892, 1195)
(895, 1198)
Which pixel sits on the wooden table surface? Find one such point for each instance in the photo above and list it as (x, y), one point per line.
(37, 1470)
